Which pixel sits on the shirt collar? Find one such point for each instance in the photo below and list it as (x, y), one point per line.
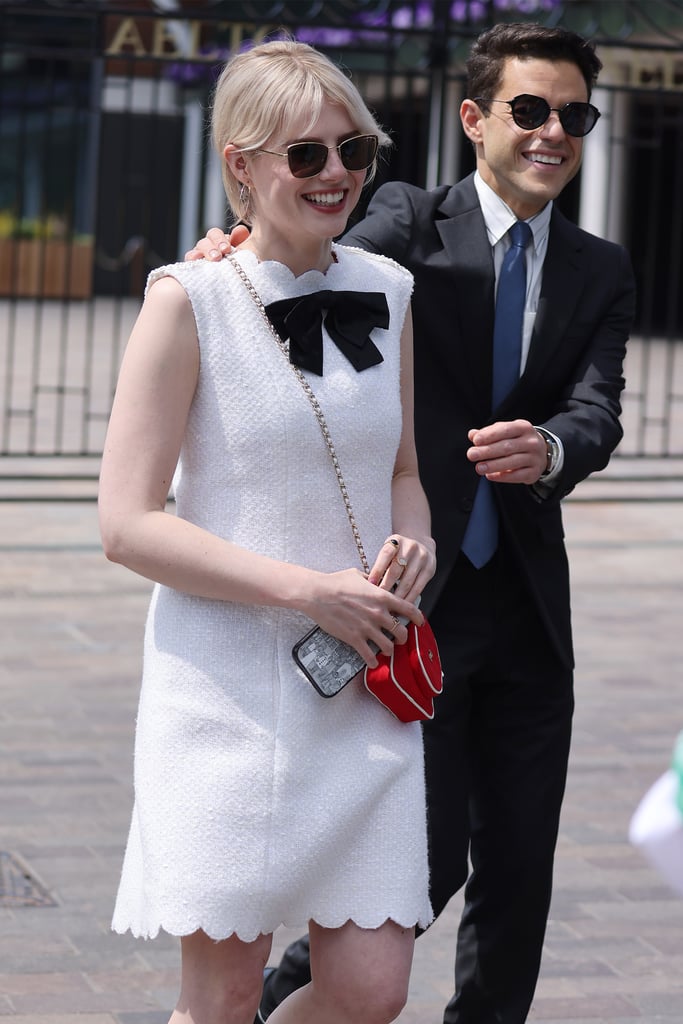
(499, 218)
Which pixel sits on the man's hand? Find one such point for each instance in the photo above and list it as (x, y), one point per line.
(510, 452)
(216, 244)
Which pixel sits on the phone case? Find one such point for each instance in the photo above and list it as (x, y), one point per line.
(328, 663)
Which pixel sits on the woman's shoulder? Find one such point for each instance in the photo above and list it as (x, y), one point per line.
(202, 280)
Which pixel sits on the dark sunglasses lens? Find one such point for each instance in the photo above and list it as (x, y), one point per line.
(530, 112)
(578, 119)
(357, 154)
(306, 158)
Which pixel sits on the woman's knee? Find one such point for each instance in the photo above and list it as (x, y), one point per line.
(221, 981)
(376, 998)
(363, 974)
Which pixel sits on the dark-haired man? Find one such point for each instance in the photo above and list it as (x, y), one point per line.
(496, 752)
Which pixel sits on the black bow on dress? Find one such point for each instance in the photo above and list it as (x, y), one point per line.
(349, 319)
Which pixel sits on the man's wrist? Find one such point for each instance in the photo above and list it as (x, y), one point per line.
(552, 452)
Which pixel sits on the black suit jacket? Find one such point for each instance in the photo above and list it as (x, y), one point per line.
(571, 383)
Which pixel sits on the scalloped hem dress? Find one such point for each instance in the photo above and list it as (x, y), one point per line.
(258, 802)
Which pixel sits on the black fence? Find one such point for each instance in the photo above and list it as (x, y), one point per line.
(105, 173)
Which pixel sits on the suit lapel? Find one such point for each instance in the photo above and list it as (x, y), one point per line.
(468, 252)
(561, 287)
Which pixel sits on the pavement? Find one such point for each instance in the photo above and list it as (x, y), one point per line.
(70, 648)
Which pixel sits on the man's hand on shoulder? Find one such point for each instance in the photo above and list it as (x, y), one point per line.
(216, 244)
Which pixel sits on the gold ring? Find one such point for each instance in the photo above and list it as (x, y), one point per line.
(402, 562)
(394, 623)
(392, 540)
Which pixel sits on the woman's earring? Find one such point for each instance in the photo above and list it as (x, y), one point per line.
(245, 199)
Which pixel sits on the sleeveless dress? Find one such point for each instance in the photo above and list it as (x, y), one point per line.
(258, 802)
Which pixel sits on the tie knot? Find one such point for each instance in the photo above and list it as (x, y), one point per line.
(520, 234)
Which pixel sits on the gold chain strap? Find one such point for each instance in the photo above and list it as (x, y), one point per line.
(310, 394)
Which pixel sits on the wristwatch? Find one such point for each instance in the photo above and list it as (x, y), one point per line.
(552, 451)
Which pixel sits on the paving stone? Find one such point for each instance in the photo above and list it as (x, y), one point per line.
(68, 1018)
(592, 1008)
(142, 1018)
(20, 984)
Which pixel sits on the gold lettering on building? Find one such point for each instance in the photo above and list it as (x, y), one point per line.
(163, 41)
(128, 40)
(127, 37)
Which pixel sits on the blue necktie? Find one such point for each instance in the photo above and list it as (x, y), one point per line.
(481, 535)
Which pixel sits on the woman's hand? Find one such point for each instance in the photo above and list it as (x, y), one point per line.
(216, 244)
(358, 612)
(404, 565)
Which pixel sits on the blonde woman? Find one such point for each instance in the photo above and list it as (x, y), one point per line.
(257, 802)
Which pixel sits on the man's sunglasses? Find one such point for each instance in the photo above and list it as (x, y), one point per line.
(307, 159)
(530, 112)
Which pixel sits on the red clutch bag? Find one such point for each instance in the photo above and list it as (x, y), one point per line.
(407, 680)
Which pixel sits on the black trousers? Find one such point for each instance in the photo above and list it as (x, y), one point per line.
(496, 757)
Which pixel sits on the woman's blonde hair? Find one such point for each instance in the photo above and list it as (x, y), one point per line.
(264, 89)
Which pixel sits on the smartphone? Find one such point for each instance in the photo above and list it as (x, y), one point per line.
(328, 663)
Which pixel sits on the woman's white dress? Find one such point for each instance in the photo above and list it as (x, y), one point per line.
(257, 801)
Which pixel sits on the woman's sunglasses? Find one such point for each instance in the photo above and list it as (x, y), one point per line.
(530, 112)
(307, 159)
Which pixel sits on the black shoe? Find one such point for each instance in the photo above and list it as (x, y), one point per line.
(261, 1015)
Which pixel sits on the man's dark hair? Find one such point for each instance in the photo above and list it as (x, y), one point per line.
(485, 64)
